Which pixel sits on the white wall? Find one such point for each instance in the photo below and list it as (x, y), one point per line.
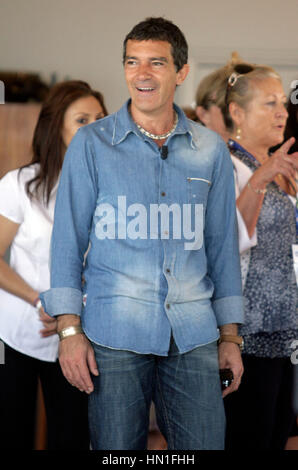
(83, 38)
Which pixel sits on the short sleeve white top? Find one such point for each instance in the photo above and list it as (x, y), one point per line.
(29, 256)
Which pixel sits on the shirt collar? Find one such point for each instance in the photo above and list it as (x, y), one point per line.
(124, 125)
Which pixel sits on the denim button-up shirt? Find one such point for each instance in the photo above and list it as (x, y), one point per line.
(145, 247)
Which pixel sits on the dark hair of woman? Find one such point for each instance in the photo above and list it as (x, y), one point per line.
(292, 122)
(291, 129)
(47, 145)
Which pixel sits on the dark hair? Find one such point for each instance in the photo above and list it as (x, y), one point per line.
(160, 29)
(292, 122)
(47, 145)
(190, 113)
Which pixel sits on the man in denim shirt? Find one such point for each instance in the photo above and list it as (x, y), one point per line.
(150, 195)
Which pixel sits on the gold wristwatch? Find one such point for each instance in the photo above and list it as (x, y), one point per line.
(70, 331)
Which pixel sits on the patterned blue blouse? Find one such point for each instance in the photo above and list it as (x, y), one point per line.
(270, 290)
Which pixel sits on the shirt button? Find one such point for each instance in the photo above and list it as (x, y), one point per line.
(168, 306)
(168, 270)
(163, 193)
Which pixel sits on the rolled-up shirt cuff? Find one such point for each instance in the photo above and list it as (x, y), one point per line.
(62, 300)
(229, 310)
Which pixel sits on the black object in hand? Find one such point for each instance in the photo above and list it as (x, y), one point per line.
(226, 378)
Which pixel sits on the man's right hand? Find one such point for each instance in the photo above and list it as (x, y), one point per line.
(76, 356)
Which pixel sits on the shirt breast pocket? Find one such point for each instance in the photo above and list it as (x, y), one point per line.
(197, 190)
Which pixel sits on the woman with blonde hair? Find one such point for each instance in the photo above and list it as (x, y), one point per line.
(245, 103)
(210, 97)
(210, 108)
(259, 415)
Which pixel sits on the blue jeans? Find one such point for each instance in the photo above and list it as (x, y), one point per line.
(185, 389)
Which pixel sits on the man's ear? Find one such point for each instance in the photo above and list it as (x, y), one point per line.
(182, 74)
(203, 115)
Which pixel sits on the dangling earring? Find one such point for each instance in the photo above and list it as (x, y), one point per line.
(238, 133)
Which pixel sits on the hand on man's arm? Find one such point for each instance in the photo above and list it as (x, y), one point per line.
(230, 357)
(76, 356)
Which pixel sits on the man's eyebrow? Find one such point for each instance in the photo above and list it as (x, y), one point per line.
(161, 59)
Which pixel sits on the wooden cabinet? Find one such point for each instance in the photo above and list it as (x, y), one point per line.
(17, 123)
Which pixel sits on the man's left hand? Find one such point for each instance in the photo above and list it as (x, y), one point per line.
(230, 358)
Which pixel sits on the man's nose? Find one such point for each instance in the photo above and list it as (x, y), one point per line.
(144, 71)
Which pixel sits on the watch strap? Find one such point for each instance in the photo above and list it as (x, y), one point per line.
(232, 339)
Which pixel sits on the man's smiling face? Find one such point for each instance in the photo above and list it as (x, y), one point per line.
(151, 76)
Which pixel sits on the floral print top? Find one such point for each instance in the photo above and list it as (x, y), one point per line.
(270, 290)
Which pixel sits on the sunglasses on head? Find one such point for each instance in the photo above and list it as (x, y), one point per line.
(239, 71)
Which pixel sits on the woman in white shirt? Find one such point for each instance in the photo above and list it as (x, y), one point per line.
(27, 199)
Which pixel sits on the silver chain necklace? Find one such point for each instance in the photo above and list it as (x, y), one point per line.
(161, 136)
